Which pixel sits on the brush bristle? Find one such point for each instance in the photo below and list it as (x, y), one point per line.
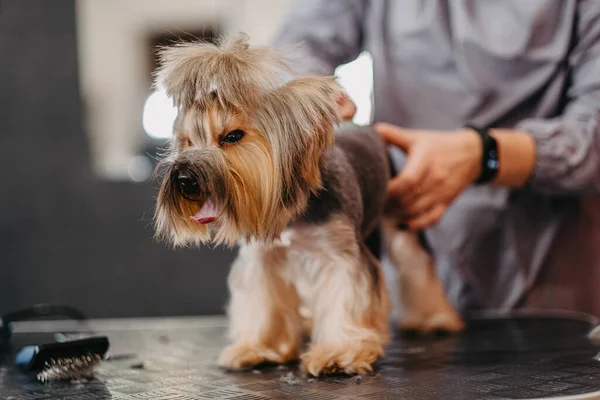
(71, 368)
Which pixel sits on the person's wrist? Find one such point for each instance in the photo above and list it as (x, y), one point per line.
(473, 150)
(489, 163)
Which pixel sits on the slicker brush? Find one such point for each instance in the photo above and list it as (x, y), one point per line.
(59, 361)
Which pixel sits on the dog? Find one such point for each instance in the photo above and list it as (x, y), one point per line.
(260, 159)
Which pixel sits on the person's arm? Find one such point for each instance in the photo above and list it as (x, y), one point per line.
(548, 155)
(516, 156)
(329, 32)
(567, 148)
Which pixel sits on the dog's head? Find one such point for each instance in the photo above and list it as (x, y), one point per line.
(247, 145)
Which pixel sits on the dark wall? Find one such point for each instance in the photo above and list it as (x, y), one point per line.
(65, 235)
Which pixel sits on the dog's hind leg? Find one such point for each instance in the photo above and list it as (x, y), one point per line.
(265, 325)
(423, 305)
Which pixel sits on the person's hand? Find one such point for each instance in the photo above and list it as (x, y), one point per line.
(346, 107)
(439, 166)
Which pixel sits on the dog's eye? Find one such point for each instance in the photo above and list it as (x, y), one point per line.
(232, 137)
(185, 142)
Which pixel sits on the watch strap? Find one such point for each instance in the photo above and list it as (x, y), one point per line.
(489, 159)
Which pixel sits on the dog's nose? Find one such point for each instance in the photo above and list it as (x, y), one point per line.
(188, 185)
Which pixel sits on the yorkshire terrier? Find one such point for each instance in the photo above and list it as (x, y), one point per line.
(260, 159)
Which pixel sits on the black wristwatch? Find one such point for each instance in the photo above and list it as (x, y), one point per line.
(489, 158)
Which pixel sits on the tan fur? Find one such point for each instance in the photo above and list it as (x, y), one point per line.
(237, 74)
(320, 271)
(289, 278)
(311, 98)
(265, 321)
(423, 305)
(287, 124)
(349, 326)
(348, 357)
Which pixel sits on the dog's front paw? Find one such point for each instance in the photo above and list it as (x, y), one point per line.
(349, 358)
(237, 356)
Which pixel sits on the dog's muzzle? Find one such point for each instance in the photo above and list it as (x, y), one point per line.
(188, 185)
(191, 185)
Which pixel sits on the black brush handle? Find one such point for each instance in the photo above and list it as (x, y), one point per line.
(34, 358)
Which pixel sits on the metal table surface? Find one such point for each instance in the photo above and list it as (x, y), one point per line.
(522, 357)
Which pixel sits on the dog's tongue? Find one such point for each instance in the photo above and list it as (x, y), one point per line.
(207, 214)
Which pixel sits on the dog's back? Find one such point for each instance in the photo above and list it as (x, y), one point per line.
(367, 155)
(355, 175)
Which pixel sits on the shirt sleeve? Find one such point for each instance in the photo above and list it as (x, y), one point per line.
(568, 146)
(329, 33)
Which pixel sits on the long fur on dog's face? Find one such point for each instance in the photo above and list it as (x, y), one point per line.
(260, 182)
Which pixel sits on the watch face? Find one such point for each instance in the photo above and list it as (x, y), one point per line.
(492, 161)
(492, 164)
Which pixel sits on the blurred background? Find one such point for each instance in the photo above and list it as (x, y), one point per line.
(80, 128)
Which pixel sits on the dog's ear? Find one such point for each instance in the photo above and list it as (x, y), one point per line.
(232, 70)
(298, 119)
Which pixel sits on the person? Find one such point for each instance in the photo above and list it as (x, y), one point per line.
(492, 109)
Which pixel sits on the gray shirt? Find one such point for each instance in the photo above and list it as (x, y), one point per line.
(527, 64)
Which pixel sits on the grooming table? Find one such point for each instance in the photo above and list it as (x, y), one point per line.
(522, 357)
